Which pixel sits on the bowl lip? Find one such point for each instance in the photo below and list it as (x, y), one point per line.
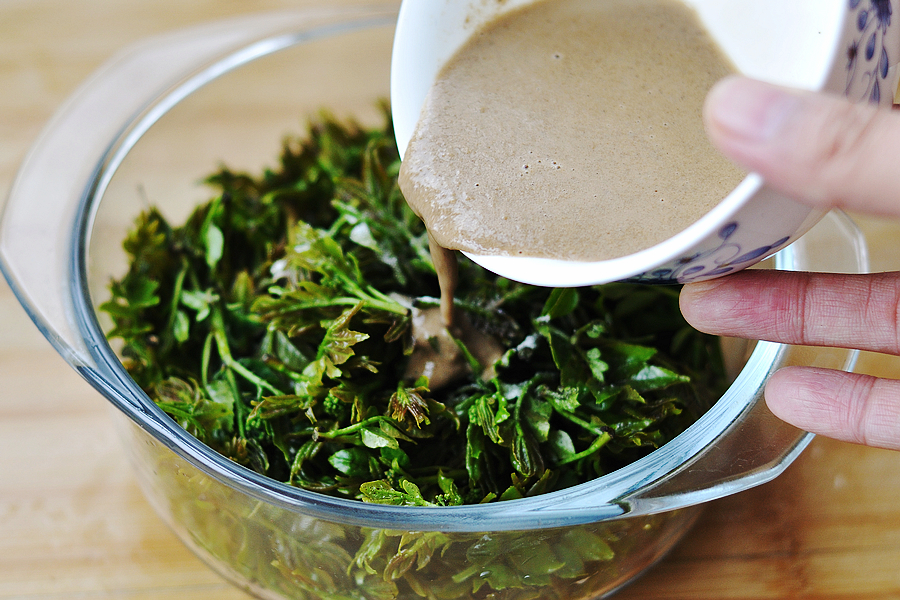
(547, 510)
(682, 244)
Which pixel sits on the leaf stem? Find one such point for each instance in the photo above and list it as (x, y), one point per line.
(218, 330)
(597, 430)
(352, 428)
(598, 443)
(204, 361)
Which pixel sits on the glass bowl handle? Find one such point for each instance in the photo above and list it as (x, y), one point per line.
(41, 231)
(706, 462)
(759, 446)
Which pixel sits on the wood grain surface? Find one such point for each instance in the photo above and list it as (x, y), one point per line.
(73, 523)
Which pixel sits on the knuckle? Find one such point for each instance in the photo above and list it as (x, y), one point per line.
(881, 313)
(890, 323)
(876, 413)
(854, 415)
(894, 323)
(794, 310)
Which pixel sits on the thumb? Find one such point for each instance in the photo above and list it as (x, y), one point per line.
(818, 149)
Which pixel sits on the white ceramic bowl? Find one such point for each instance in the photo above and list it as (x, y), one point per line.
(846, 47)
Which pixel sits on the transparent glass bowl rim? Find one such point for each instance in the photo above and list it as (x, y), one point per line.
(79, 338)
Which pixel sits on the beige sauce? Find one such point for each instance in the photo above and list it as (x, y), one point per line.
(436, 355)
(570, 129)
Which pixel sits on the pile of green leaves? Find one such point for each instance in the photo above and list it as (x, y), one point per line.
(276, 324)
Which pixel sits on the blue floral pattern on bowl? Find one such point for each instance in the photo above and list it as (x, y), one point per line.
(868, 59)
(728, 256)
(871, 60)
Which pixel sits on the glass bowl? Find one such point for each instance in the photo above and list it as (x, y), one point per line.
(141, 131)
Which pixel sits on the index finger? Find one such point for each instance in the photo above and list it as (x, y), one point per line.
(819, 149)
(812, 309)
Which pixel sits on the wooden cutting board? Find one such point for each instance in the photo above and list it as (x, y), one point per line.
(73, 523)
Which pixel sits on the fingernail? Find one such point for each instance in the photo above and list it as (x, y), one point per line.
(749, 109)
(699, 292)
(697, 305)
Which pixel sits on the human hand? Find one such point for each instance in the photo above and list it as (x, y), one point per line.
(826, 152)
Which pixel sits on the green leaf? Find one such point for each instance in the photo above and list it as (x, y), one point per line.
(595, 329)
(353, 462)
(511, 493)
(596, 363)
(525, 453)
(536, 415)
(501, 577)
(407, 403)
(560, 303)
(306, 453)
(288, 353)
(221, 392)
(214, 240)
(186, 402)
(376, 438)
(589, 545)
(567, 360)
(652, 377)
(450, 495)
(200, 301)
(561, 445)
(181, 327)
(490, 412)
(362, 235)
(475, 444)
(564, 399)
(534, 559)
(382, 492)
(627, 360)
(395, 458)
(339, 339)
(273, 407)
(573, 565)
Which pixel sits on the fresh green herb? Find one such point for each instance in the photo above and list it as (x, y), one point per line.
(285, 554)
(278, 323)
